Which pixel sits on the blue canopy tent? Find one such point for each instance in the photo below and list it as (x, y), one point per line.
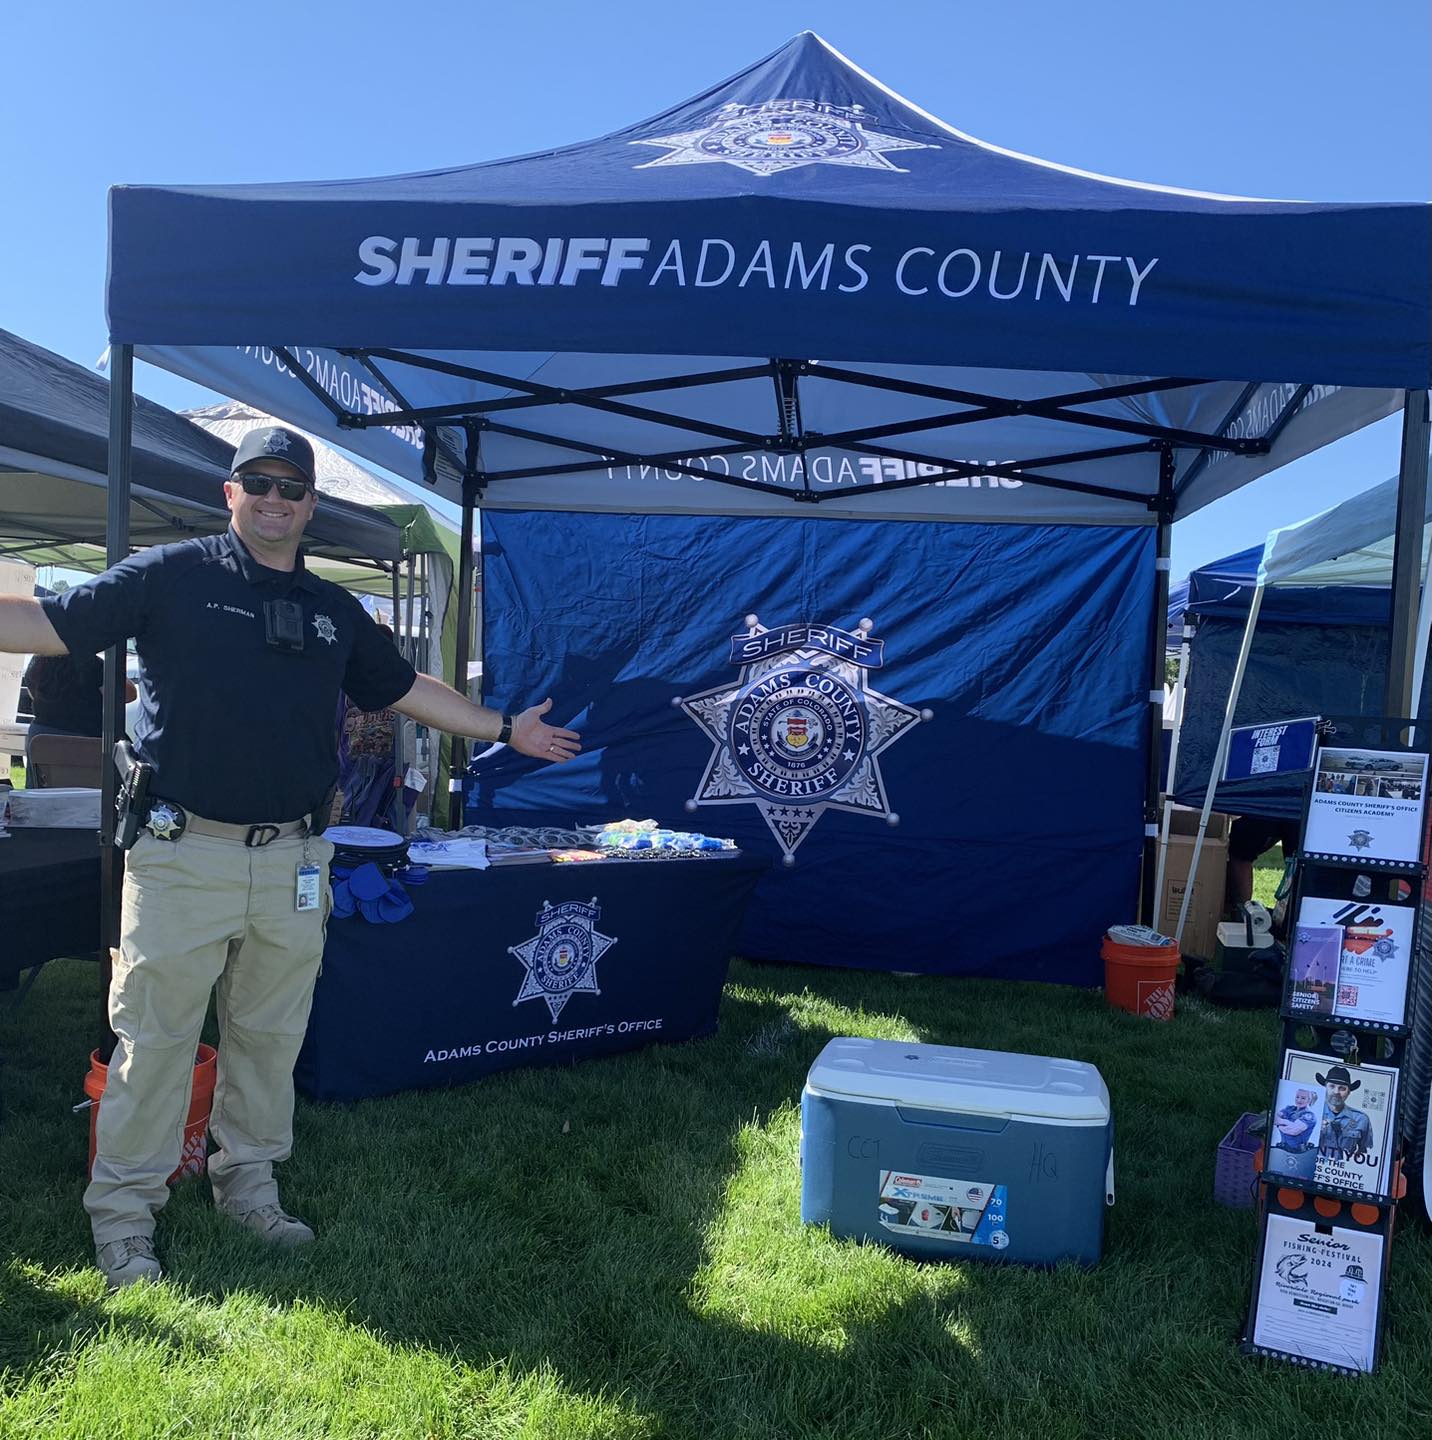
(799, 295)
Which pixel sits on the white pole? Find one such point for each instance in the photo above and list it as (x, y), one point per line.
(1220, 755)
(1178, 696)
(1419, 667)
(1424, 625)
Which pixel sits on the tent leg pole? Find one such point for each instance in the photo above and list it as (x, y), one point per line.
(1407, 553)
(111, 861)
(397, 816)
(1220, 754)
(425, 605)
(396, 582)
(1158, 630)
(433, 752)
(425, 613)
(1180, 690)
(458, 767)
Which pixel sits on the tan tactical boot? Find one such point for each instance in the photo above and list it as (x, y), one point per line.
(123, 1262)
(272, 1223)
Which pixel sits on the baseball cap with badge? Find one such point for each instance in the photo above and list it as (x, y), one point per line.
(275, 442)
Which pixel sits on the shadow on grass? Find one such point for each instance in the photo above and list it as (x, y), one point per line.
(597, 1254)
(467, 1222)
(630, 1226)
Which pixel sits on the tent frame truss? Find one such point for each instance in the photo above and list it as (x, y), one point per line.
(790, 437)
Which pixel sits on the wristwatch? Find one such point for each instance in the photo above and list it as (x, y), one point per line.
(505, 734)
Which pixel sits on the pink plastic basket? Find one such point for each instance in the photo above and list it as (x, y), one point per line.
(1234, 1175)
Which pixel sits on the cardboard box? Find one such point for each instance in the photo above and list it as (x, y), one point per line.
(1205, 909)
(1183, 820)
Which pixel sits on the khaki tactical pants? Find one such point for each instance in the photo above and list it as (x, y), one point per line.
(199, 912)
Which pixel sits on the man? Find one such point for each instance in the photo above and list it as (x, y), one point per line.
(1346, 1131)
(244, 654)
(66, 696)
(1249, 838)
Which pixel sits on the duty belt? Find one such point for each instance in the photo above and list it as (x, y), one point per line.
(167, 821)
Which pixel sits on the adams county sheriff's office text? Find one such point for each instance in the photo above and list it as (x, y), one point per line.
(918, 270)
(551, 1038)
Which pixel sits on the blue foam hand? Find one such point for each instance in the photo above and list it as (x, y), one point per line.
(366, 891)
(395, 905)
(368, 882)
(343, 903)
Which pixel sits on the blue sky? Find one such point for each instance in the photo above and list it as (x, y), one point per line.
(1309, 101)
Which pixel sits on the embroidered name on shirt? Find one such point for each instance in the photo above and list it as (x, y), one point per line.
(231, 609)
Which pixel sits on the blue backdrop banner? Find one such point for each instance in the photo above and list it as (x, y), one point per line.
(936, 731)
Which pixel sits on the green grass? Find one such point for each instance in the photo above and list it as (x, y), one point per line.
(615, 1250)
(1267, 872)
(17, 775)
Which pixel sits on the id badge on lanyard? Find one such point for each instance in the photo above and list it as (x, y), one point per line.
(306, 895)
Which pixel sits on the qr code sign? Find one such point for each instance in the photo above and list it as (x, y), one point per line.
(1265, 759)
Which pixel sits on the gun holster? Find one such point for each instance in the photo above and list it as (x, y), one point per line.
(131, 803)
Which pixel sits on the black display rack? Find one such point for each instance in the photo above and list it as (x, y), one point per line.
(1339, 1220)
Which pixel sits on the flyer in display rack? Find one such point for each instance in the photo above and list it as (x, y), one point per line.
(1318, 1292)
(1350, 959)
(1297, 1122)
(1353, 1106)
(1367, 805)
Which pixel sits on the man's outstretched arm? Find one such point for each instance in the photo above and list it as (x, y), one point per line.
(25, 629)
(439, 707)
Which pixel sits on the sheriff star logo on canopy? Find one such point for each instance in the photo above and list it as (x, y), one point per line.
(783, 135)
(801, 730)
(561, 959)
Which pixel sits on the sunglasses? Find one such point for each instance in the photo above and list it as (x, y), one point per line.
(261, 484)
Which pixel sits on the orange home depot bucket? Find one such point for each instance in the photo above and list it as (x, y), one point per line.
(1140, 978)
(194, 1155)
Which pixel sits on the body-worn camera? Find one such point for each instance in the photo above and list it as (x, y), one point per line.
(283, 625)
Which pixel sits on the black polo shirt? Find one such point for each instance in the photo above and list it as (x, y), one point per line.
(236, 730)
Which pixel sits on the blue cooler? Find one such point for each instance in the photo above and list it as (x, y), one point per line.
(954, 1154)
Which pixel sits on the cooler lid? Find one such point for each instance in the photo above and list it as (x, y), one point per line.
(976, 1082)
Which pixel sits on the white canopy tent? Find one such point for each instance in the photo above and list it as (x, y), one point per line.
(1351, 544)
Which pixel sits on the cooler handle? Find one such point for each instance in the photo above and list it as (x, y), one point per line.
(1109, 1169)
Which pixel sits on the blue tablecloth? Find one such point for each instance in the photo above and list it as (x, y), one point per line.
(49, 898)
(524, 965)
